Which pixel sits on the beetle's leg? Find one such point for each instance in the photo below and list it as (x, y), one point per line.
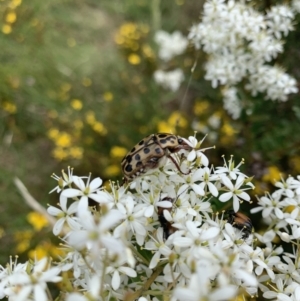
(178, 148)
(177, 166)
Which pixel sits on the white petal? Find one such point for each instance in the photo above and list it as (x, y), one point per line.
(79, 183)
(149, 211)
(213, 190)
(128, 271)
(71, 192)
(115, 281)
(96, 183)
(183, 242)
(227, 182)
(75, 297)
(210, 233)
(192, 228)
(245, 196)
(240, 180)
(191, 156)
(225, 196)
(73, 208)
(198, 189)
(83, 204)
(58, 226)
(53, 211)
(224, 293)
(112, 218)
(39, 293)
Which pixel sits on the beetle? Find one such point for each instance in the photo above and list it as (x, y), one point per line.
(151, 153)
(241, 222)
(168, 229)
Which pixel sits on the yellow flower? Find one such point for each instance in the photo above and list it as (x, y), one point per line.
(53, 133)
(112, 170)
(176, 119)
(65, 87)
(164, 127)
(76, 104)
(134, 59)
(272, 175)
(63, 140)
(16, 2)
(23, 239)
(6, 29)
(108, 96)
(90, 117)
(148, 51)
(11, 17)
(118, 152)
(59, 153)
(76, 152)
(9, 107)
(39, 252)
(37, 220)
(228, 130)
(295, 163)
(99, 128)
(200, 107)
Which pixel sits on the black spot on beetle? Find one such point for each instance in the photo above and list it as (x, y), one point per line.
(163, 141)
(146, 150)
(141, 142)
(137, 157)
(158, 150)
(162, 135)
(139, 164)
(128, 168)
(180, 140)
(128, 158)
(133, 150)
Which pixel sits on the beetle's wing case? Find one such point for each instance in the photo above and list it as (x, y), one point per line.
(144, 142)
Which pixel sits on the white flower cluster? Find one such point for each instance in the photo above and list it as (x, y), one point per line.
(158, 237)
(170, 45)
(169, 79)
(280, 210)
(239, 41)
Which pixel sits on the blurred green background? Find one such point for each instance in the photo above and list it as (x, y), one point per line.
(77, 89)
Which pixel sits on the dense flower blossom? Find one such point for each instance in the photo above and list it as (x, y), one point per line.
(160, 234)
(239, 40)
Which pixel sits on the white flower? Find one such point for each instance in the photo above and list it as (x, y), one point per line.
(231, 102)
(230, 169)
(65, 180)
(169, 79)
(234, 191)
(23, 284)
(95, 235)
(199, 288)
(64, 215)
(196, 152)
(270, 204)
(118, 268)
(84, 191)
(170, 45)
(158, 247)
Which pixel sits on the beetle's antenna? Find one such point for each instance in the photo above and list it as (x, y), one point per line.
(187, 88)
